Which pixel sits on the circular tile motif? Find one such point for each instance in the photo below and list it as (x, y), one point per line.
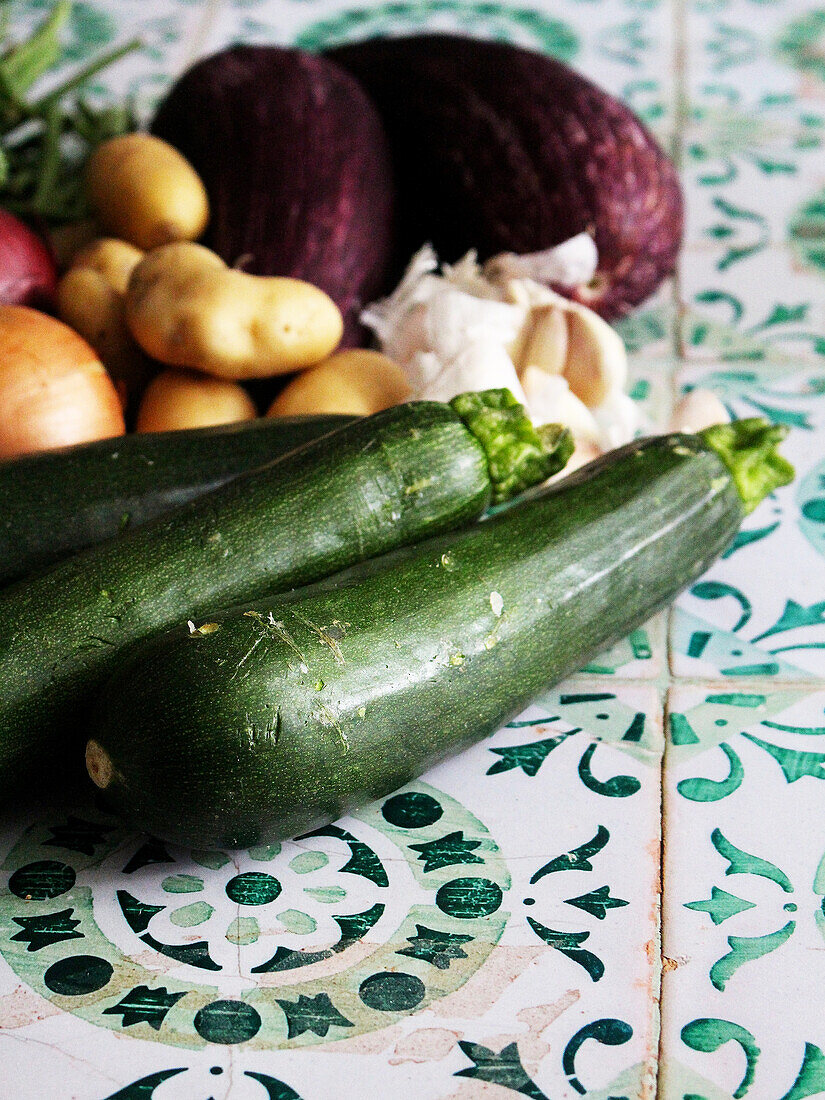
(325, 937)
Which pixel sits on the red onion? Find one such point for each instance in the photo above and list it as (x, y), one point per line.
(28, 273)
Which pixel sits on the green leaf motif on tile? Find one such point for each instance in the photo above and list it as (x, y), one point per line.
(316, 1014)
(608, 1032)
(42, 931)
(806, 731)
(739, 214)
(446, 851)
(243, 931)
(717, 590)
(731, 46)
(745, 538)
(212, 860)
(435, 947)
(568, 943)
(806, 233)
(794, 763)
(193, 954)
(747, 699)
(625, 43)
(363, 861)
(745, 949)
(700, 789)
(743, 863)
(721, 905)
(578, 859)
(504, 1068)
(144, 1005)
(794, 616)
(643, 327)
(137, 913)
(708, 1035)
(597, 902)
(153, 851)
(144, 1088)
(78, 835)
(618, 786)
(527, 757)
(275, 1089)
(811, 1078)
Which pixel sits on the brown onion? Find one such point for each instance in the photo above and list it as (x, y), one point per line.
(54, 391)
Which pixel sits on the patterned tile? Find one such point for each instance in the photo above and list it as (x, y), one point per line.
(431, 940)
(743, 922)
(758, 612)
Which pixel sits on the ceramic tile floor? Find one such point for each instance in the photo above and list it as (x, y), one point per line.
(495, 928)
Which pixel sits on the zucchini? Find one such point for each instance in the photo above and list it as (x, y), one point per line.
(374, 484)
(93, 491)
(274, 718)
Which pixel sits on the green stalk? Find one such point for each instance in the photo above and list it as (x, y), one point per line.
(749, 450)
(518, 454)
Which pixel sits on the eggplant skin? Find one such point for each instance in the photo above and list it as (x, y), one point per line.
(296, 166)
(499, 148)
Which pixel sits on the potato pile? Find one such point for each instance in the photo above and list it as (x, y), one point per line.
(178, 330)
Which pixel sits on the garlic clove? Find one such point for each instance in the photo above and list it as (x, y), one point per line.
(569, 264)
(543, 341)
(480, 366)
(619, 419)
(549, 400)
(697, 410)
(584, 451)
(596, 357)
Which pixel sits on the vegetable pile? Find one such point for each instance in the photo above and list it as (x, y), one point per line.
(409, 264)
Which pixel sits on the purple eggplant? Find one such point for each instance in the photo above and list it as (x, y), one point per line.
(501, 149)
(296, 166)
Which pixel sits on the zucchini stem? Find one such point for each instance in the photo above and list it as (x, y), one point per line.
(519, 455)
(748, 449)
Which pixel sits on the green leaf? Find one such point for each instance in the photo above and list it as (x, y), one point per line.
(794, 616)
(597, 902)
(794, 763)
(528, 757)
(721, 905)
(316, 1014)
(576, 860)
(743, 863)
(568, 944)
(503, 1069)
(437, 948)
(749, 450)
(447, 851)
(144, 1005)
(42, 931)
(28, 61)
(744, 949)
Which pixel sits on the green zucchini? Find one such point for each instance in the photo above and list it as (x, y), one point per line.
(374, 484)
(276, 717)
(56, 502)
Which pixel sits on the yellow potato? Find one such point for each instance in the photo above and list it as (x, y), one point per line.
(114, 259)
(143, 190)
(186, 308)
(90, 299)
(184, 399)
(355, 382)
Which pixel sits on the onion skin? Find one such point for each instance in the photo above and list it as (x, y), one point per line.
(28, 272)
(54, 391)
(502, 149)
(296, 167)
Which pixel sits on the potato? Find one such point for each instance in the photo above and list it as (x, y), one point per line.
(186, 308)
(143, 190)
(90, 299)
(356, 382)
(184, 399)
